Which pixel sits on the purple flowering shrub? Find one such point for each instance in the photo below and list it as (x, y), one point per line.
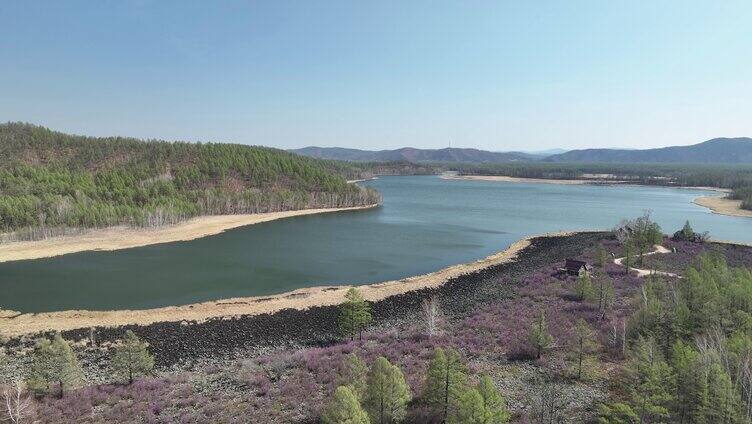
(287, 385)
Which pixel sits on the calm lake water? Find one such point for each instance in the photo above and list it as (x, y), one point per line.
(425, 224)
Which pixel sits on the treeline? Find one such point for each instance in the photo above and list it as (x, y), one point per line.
(745, 195)
(735, 177)
(50, 179)
(686, 175)
(691, 349)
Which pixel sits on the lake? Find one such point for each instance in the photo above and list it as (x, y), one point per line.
(425, 224)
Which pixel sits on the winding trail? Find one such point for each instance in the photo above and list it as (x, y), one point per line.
(645, 272)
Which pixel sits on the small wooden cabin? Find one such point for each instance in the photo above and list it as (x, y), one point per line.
(574, 267)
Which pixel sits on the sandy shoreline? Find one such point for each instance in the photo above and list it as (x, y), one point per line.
(361, 180)
(519, 180)
(723, 206)
(592, 181)
(115, 238)
(19, 324)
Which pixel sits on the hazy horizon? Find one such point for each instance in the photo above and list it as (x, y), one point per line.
(382, 76)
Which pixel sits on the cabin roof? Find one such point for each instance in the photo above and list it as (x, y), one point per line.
(575, 264)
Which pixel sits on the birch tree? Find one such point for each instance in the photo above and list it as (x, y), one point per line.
(18, 405)
(432, 315)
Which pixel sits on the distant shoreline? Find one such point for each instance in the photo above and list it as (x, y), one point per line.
(717, 204)
(13, 324)
(504, 178)
(588, 181)
(116, 238)
(723, 206)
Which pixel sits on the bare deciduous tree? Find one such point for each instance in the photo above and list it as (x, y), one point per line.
(618, 335)
(432, 315)
(18, 404)
(549, 405)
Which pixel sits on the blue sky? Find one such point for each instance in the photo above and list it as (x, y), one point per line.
(497, 75)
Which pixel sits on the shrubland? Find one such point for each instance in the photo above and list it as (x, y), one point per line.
(538, 346)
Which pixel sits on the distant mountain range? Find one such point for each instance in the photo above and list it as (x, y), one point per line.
(410, 154)
(544, 153)
(717, 150)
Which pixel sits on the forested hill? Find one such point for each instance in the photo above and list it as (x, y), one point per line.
(717, 150)
(50, 180)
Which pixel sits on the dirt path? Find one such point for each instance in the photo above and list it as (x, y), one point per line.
(644, 272)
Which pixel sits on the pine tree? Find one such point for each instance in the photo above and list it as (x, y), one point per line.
(606, 294)
(582, 347)
(583, 288)
(700, 292)
(648, 381)
(628, 256)
(445, 381)
(616, 413)
(470, 409)
(69, 370)
(54, 362)
(354, 314)
(42, 373)
(724, 401)
(344, 409)
(601, 257)
(539, 337)
(496, 411)
(687, 233)
(352, 374)
(690, 383)
(3, 357)
(387, 393)
(132, 357)
(645, 233)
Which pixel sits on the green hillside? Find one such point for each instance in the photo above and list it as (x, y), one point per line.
(718, 150)
(53, 180)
